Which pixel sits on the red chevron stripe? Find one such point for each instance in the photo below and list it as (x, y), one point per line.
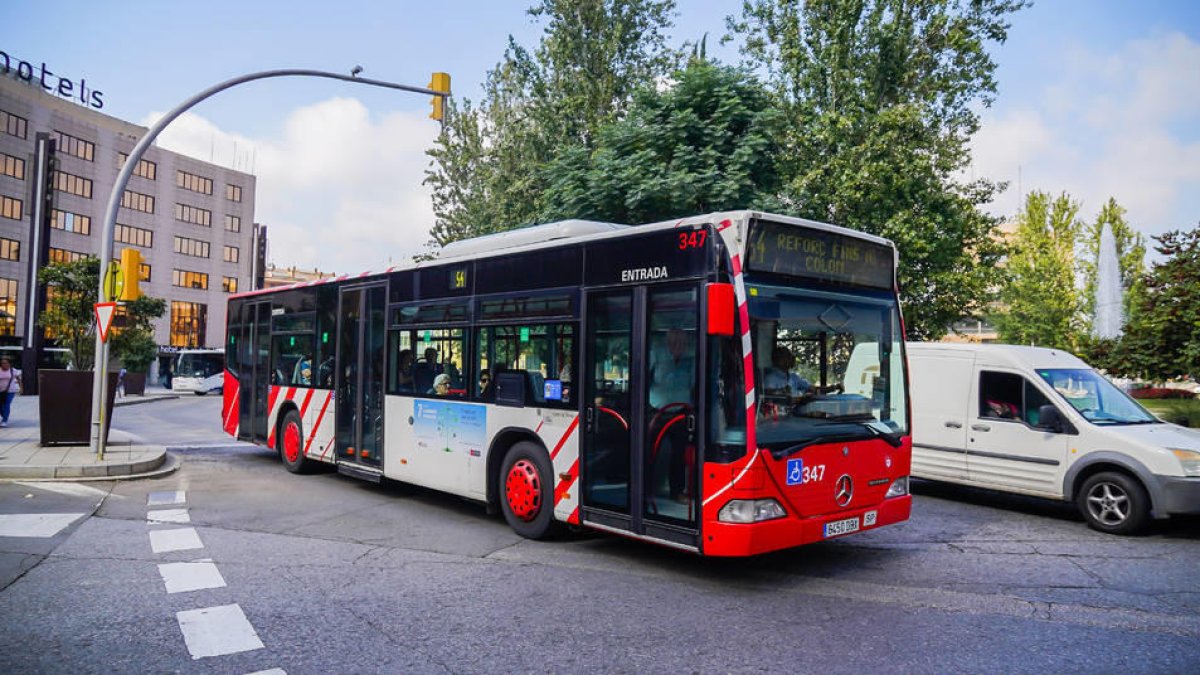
(565, 436)
(313, 433)
(564, 485)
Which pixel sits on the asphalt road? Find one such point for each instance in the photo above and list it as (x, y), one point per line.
(336, 575)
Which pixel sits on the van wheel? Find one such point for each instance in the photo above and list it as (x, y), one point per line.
(527, 491)
(291, 444)
(1114, 503)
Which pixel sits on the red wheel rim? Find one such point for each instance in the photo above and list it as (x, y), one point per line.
(291, 441)
(523, 489)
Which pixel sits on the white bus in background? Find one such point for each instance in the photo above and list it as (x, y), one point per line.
(199, 371)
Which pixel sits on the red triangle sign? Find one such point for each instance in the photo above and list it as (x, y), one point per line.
(104, 317)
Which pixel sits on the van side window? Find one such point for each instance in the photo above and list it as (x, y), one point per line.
(1000, 395)
(1009, 397)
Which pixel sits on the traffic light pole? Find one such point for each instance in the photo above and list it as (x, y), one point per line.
(99, 386)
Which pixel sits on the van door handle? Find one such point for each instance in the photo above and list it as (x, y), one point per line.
(954, 425)
(981, 427)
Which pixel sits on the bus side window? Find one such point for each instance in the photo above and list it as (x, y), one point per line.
(292, 363)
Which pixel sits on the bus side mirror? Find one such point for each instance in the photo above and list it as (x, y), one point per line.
(721, 308)
(1050, 419)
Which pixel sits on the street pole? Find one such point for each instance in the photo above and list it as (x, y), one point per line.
(100, 387)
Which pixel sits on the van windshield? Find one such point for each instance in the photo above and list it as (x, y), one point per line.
(826, 364)
(1097, 399)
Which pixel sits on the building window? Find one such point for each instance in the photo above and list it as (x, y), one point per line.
(229, 284)
(231, 254)
(128, 234)
(137, 201)
(12, 166)
(190, 181)
(145, 168)
(62, 255)
(10, 249)
(11, 208)
(13, 125)
(8, 306)
(185, 279)
(70, 183)
(188, 320)
(194, 215)
(233, 223)
(233, 192)
(71, 222)
(77, 147)
(192, 247)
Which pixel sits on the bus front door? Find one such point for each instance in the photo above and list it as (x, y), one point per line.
(640, 468)
(359, 381)
(255, 359)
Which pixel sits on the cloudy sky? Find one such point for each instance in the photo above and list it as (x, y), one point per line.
(1097, 98)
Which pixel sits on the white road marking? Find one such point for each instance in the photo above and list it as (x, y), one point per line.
(180, 539)
(216, 631)
(166, 498)
(39, 525)
(190, 576)
(169, 516)
(73, 489)
(273, 671)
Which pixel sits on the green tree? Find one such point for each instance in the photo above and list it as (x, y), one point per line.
(134, 343)
(70, 307)
(1131, 256)
(1041, 305)
(1162, 337)
(592, 56)
(706, 143)
(881, 99)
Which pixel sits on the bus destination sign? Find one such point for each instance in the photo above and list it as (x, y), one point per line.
(817, 254)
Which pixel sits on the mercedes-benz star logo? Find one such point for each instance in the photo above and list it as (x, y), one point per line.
(844, 491)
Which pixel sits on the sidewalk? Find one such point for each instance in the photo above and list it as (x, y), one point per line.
(125, 456)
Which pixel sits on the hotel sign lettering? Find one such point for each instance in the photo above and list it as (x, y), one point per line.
(42, 76)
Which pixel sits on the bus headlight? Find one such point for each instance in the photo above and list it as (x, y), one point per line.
(1190, 459)
(898, 488)
(750, 511)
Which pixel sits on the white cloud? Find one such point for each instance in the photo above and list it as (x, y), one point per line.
(338, 190)
(1122, 124)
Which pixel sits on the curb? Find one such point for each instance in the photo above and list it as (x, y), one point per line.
(122, 402)
(164, 464)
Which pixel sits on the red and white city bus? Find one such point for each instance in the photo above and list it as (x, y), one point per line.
(728, 384)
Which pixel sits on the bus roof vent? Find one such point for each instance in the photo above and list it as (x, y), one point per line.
(533, 234)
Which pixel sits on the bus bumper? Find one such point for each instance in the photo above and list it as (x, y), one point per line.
(746, 539)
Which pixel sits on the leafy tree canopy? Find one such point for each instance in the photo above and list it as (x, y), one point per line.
(70, 306)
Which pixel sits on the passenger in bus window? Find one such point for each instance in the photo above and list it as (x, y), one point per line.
(302, 375)
(426, 370)
(404, 371)
(672, 393)
(486, 392)
(441, 385)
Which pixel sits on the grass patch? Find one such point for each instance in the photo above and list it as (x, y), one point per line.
(1183, 412)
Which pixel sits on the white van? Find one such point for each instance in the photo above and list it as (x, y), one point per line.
(1042, 422)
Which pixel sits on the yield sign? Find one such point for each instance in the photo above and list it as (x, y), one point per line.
(104, 317)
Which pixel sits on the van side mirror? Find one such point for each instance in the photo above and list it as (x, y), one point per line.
(1050, 419)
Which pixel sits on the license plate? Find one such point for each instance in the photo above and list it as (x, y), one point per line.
(840, 527)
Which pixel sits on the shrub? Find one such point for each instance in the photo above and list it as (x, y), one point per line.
(1161, 392)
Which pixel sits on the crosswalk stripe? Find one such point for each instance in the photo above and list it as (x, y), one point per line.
(190, 576)
(166, 498)
(40, 525)
(169, 516)
(181, 539)
(216, 631)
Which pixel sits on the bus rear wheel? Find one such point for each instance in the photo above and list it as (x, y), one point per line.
(291, 443)
(527, 491)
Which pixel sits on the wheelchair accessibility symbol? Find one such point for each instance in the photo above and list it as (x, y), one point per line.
(795, 471)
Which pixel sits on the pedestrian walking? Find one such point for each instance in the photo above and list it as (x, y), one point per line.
(121, 382)
(10, 386)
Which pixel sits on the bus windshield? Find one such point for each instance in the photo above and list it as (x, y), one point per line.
(199, 364)
(1097, 399)
(827, 365)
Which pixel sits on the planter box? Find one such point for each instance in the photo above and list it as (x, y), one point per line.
(65, 406)
(135, 384)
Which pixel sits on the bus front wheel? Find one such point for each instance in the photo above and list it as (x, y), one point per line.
(291, 443)
(527, 491)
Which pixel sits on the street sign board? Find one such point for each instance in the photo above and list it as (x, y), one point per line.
(114, 282)
(104, 317)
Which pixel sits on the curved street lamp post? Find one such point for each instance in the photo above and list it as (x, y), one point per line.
(114, 202)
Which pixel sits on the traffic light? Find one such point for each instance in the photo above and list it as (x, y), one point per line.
(440, 82)
(131, 271)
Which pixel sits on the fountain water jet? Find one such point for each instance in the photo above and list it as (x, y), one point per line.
(1109, 310)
